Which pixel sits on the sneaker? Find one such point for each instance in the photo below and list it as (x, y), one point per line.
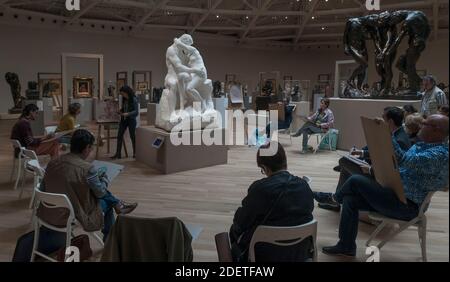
(125, 208)
(330, 207)
(295, 134)
(338, 251)
(116, 157)
(322, 197)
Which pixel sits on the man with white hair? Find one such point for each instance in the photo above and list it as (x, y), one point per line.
(433, 97)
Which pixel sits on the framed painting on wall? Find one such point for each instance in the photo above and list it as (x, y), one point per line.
(83, 87)
(49, 84)
(142, 79)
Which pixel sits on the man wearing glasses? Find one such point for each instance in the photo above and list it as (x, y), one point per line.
(423, 168)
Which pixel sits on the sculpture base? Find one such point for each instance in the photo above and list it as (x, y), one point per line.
(169, 158)
(348, 121)
(188, 120)
(352, 93)
(14, 111)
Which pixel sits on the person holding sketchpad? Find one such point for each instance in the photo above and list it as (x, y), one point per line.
(423, 169)
(349, 166)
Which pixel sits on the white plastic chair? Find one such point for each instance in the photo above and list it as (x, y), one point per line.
(38, 172)
(420, 222)
(18, 162)
(55, 201)
(280, 235)
(30, 165)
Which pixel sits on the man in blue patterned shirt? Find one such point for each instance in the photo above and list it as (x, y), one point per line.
(423, 168)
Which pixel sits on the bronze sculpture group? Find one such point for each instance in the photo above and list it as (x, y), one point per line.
(383, 30)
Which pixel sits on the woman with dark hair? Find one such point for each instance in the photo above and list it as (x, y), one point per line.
(129, 113)
(23, 133)
(321, 121)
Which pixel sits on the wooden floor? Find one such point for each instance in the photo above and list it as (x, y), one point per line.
(209, 197)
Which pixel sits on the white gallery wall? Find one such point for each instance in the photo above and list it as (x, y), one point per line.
(27, 51)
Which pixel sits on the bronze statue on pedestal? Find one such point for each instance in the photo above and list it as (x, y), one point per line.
(13, 80)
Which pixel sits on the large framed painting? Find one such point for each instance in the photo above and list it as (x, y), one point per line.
(83, 87)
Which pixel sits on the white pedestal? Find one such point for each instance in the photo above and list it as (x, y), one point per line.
(348, 112)
(170, 158)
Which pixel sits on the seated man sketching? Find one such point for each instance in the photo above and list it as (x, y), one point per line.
(393, 116)
(280, 199)
(423, 168)
(320, 122)
(86, 188)
(22, 132)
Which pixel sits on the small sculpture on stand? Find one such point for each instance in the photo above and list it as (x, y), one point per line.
(13, 80)
(267, 88)
(32, 93)
(217, 89)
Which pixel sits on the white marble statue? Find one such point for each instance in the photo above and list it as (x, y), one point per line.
(186, 86)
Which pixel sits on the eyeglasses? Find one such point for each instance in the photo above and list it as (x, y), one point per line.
(263, 172)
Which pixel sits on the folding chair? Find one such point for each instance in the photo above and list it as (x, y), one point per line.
(55, 201)
(420, 222)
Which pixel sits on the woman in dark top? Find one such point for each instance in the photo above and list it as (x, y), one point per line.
(129, 113)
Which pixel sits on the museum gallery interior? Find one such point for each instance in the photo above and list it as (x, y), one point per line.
(224, 131)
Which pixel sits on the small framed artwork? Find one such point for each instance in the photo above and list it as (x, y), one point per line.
(121, 79)
(142, 86)
(49, 84)
(82, 87)
(141, 79)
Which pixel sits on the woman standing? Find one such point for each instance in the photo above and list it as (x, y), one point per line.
(129, 113)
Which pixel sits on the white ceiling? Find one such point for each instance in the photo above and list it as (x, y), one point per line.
(291, 23)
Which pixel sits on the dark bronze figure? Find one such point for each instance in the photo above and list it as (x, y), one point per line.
(357, 31)
(385, 37)
(13, 80)
(415, 25)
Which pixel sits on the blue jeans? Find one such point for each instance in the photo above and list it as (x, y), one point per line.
(107, 203)
(364, 193)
